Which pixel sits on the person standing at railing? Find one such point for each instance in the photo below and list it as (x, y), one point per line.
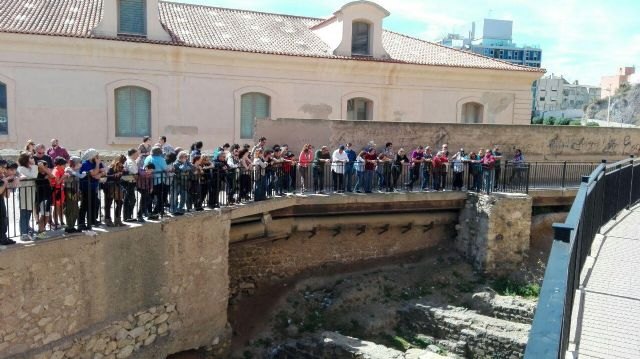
(305, 160)
(196, 150)
(359, 168)
(427, 169)
(245, 174)
(488, 168)
(320, 162)
(458, 162)
(145, 188)
(4, 193)
(260, 179)
(219, 172)
(197, 184)
(43, 188)
(349, 169)
(28, 172)
(289, 167)
(519, 167)
(417, 157)
(30, 147)
(262, 142)
(131, 170)
(371, 161)
(58, 191)
(475, 168)
(56, 150)
(497, 155)
(159, 181)
(399, 162)
(72, 177)
(339, 160)
(113, 192)
(440, 171)
(233, 175)
(144, 150)
(182, 169)
(383, 172)
(90, 201)
(277, 176)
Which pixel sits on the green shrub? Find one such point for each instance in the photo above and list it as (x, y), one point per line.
(592, 124)
(506, 286)
(575, 123)
(536, 121)
(563, 122)
(550, 121)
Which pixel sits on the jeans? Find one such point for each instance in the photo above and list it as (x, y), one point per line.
(359, 181)
(89, 207)
(304, 178)
(496, 177)
(487, 180)
(318, 179)
(348, 176)
(368, 180)
(477, 181)
(178, 196)
(458, 180)
(338, 181)
(129, 199)
(425, 180)
(25, 218)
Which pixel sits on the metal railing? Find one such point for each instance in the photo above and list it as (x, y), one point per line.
(601, 196)
(119, 198)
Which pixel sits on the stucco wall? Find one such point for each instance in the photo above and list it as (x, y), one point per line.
(537, 142)
(63, 87)
(111, 293)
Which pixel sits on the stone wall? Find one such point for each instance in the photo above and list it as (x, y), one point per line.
(253, 262)
(473, 335)
(145, 292)
(494, 231)
(537, 142)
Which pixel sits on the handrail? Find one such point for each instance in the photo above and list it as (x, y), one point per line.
(602, 195)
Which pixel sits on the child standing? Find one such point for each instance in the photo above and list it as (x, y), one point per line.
(57, 184)
(72, 177)
(145, 188)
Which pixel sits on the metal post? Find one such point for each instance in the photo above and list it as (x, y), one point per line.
(631, 184)
(564, 173)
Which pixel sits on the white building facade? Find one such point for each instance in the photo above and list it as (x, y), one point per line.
(105, 73)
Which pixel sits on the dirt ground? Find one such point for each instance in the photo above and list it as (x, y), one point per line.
(358, 301)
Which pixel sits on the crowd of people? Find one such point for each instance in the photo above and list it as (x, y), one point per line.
(63, 191)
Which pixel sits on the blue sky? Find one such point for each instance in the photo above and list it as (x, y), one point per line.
(580, 39)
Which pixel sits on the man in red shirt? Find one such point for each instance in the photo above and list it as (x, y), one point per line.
(370, 161)
(440, 171)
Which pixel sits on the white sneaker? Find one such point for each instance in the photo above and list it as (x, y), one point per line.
(26, 238)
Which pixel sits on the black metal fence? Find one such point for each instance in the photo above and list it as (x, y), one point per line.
(602, 195)
(37, 207)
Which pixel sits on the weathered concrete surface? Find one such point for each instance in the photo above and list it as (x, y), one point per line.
(494, 231)
(542, 230)
(314, 243)
(537, 142)
(103, 294)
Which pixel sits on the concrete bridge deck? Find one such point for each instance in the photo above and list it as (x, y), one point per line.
(608, 312)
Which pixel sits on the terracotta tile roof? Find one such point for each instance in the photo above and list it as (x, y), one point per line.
(229, 29)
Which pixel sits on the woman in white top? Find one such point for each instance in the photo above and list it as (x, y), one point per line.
(338, 160)
(359, 167)
(28, 172)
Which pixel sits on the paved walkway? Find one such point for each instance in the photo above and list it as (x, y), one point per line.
(609, 325)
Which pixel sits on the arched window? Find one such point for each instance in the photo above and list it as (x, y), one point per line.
(132, 19)
(133, 111)
(4, 115)
(472, 112)
(253, 105)
(359, 109)
(360, 38)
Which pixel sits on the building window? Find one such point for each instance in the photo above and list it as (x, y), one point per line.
(542, 98)
(472, 112)
(359, 109)
(360, 39)
(132, 17)
(133, 111)
(253, 106)
(4, 116)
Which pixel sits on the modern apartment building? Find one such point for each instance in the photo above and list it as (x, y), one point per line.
(555, 93)
(494, 38)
